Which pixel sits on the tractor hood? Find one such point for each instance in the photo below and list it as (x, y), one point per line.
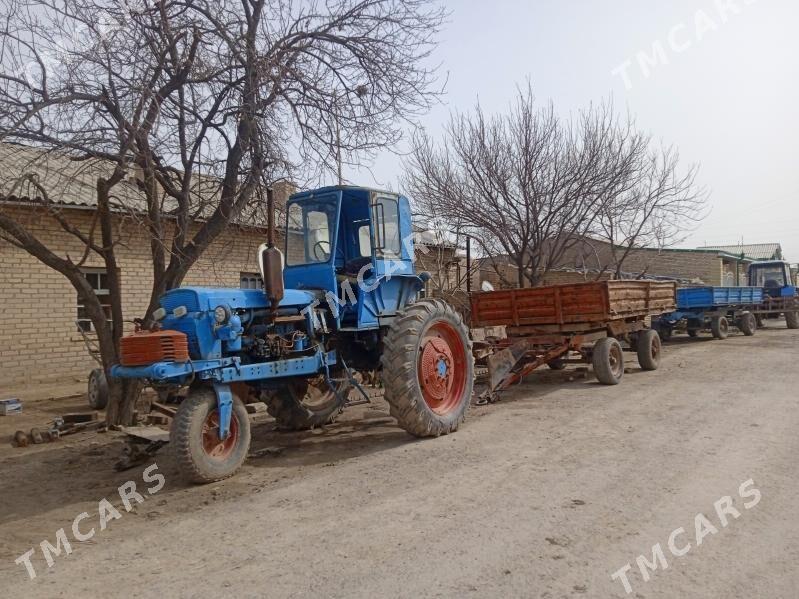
(200, 299)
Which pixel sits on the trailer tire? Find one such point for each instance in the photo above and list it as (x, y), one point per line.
(608, 361)
(649, 350)
(748, 324)
(428, 368)
(201, 456)
(693, 333)
(302, 406)
(759, 321)
(720, 327)
(557, 364)
(97, 389)
(792, 320)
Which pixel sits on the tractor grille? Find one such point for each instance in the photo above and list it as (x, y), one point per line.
(141, 349)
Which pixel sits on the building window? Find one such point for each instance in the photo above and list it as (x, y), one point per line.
(251, 280)
(98, 279)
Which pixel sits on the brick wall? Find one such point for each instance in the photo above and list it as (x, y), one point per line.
(38, 337)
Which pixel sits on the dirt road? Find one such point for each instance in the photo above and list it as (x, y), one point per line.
(543, 495)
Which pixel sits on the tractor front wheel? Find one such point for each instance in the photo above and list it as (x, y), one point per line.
(792, 320)
(201, 455)
(304, 404)
(428, 369)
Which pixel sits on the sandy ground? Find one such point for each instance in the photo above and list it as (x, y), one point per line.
(545, 494)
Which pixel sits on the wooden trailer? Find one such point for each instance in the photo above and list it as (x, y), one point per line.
(581, 322)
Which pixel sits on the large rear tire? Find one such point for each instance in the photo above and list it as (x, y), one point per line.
(608, 361)
(720, 327)
(201, 455)
(649, 349)
(304, 404)
(428, 369)
(792, 320)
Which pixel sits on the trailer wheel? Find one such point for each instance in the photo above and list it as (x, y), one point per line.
(304, 404)
(649, 350)
(693, 332)
(720, 327)
(759, 321)
(748, 325)
(97, 391)
(194, 437)
(608, 361)
(792, 320)
(428, 369)
(557, 364)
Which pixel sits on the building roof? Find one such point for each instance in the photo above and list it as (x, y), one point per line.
(72, 183)
(753, 251)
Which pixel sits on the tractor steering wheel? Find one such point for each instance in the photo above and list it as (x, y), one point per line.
(319, 247)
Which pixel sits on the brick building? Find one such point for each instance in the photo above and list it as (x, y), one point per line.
(588, 259)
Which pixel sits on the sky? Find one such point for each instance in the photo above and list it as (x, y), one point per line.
(719, 80)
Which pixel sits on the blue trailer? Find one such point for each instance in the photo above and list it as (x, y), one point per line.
(712, 308)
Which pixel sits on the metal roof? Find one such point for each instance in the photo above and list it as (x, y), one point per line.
(754, 251)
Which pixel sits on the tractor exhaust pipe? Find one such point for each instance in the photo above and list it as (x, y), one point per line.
(271, 260)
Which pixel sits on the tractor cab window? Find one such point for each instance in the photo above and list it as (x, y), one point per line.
(769, 276)
(317, 222)
(364, 241)
(385, 217)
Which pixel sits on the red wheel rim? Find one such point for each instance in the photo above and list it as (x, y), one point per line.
(214, 447)
(442, 368)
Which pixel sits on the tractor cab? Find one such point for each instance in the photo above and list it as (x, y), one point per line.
(773, 276)
(354, 247)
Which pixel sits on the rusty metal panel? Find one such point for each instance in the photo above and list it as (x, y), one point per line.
(572, 304)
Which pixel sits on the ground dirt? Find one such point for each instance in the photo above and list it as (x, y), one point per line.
(544, 494)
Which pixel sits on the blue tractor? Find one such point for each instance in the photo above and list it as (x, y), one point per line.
(779, 291)
(343, 297)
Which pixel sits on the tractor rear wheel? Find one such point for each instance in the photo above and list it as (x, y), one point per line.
(648, 348)
(304, 404)
(608, 360)
(748, 325)
(720, 327)
(792, 320)
(428, 369)
(194, 437)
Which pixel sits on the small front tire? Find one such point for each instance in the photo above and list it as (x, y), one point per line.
(792, 320)
(201, 455)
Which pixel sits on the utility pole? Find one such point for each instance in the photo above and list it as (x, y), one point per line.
(338, 137)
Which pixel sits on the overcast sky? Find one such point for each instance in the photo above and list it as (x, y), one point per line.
(728, 96)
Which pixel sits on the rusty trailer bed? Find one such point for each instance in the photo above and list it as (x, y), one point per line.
(575, 307)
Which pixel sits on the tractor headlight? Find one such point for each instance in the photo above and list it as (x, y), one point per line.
(159, 314)
(221, 315)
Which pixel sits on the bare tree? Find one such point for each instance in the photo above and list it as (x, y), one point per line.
(657, 211)
(205, 101)
(533, 189)
(525, 184)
